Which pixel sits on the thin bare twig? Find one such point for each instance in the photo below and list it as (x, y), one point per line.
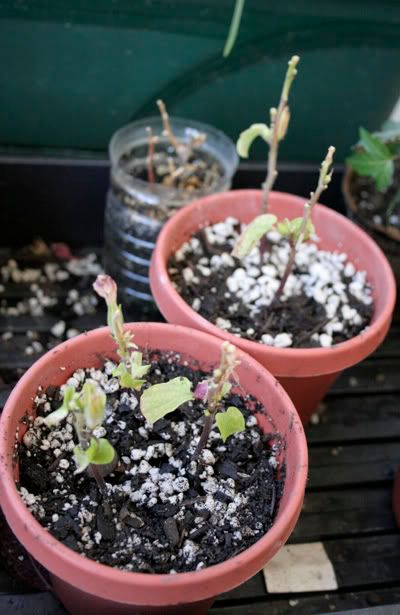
(279, 121)
(150, 169)
(323, 182)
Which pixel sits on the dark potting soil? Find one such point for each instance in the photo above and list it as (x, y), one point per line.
(376, 208)
(169, 514)
(210, 280)
(199, 175)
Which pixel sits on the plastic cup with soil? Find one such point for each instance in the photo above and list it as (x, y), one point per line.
(160, 524)
(373, 199)
(155, 172)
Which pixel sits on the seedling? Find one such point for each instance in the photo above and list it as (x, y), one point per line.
(211, 392)
(161, 399)
(273, 134)
(130, 370)
(88, 409)
(295, 231)
(375, 156)
(158, 399)
(298, 230)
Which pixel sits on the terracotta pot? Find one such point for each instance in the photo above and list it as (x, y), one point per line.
(396, 497)
(388, 238)
(84, 585)
(306, 374)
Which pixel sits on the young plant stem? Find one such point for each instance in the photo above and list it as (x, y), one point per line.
(276, 125)
(101, 483)
(205, 434)
(323, 181)
(150, 169)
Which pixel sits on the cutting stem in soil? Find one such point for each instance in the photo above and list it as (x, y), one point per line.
(305, 228)
(212, 391)
(279, 122)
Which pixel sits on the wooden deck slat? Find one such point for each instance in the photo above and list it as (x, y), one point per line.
(356, 418)
(341, 512)
(369, 377)
(353, 464)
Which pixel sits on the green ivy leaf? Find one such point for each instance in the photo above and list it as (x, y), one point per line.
(252, 234)
(160, 399)
(230, 422)
(104, 452)
(375, 160)
(247, 137)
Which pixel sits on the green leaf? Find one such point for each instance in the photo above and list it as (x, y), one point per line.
(252, 234)
(375, 160)
(373, 145)
(160, 399)
(381, 170)
(247, 137)
(55, 418)
(284, 227)
(104, 452)
(84, 457)
(129, 382)
(138, 370)
(230, 422)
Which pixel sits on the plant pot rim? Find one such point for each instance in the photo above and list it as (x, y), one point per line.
(127, 581)
(313, 361)
(387, 232)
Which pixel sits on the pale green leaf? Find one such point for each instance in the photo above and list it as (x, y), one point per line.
(226, 387)
(284, 228)
(160, 399)
(127, 381)
(247, 137)
(119, 370)
(230, 422)
(55, 418)
(138, 370)
(93, 400)
(252, 234)
(84, 457)
(104, 453)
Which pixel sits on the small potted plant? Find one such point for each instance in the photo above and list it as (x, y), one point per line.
(158, 165)
(371, 188)
(293, 283)
(152, 468)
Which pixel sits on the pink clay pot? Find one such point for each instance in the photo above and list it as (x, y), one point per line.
(86, 586)
(308, 373)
